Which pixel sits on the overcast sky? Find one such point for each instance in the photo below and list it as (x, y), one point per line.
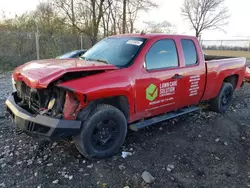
(238, 27)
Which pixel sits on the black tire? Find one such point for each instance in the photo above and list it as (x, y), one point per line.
(103, 132)
(223, 100)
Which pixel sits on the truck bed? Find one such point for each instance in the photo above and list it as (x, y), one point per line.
(218, 69)
(213, 57)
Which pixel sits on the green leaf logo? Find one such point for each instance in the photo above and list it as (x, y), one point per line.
(151, 92)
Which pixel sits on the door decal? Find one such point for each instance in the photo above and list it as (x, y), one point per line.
(151, 92)
(194, 85)
(168, 88)
(164, 92)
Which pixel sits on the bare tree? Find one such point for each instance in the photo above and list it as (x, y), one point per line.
(160, 27)
(205, 14)
(67, 9)
(97, 18)
(115, 15)
(136, 6)
(123, 13)
(110, 19)
(83, 16)
(97, 14)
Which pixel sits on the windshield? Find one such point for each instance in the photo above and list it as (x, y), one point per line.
(118, 51)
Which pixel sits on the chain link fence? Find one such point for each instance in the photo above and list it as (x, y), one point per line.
(17, 48)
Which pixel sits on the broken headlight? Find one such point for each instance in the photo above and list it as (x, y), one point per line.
(247, 70)
(51, 103)
(13, 84)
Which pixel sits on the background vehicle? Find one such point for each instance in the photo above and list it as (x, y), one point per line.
(135, 80)
(72, 54)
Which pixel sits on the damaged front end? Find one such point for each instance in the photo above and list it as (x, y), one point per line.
(50, 112)
(53, 101)
(40, 106)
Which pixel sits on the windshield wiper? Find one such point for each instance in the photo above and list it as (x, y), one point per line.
(99, 60)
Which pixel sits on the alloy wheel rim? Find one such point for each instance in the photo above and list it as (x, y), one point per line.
(104, 135)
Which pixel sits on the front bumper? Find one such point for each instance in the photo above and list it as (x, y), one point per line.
(41, 126)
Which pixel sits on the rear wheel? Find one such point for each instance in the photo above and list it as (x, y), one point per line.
(224, 99)
(103, 132)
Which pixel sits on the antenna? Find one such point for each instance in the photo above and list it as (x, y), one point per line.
(143, 32)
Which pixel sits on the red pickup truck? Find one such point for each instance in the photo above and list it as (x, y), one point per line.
(123, 81)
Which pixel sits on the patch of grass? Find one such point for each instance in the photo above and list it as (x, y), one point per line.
(228, 53)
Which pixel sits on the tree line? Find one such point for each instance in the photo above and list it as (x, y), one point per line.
(93, 18)
(102, 18)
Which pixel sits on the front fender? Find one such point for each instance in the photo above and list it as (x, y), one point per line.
(101, 86)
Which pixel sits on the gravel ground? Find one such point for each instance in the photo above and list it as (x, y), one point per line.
(203, 149)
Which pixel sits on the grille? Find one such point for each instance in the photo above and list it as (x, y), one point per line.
(30, 126)
(29, 96)
(34, 102)
(35, 127)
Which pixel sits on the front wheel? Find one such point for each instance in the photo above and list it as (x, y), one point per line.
(103, 132)
(224, 99)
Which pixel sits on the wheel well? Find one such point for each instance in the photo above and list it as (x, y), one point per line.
(120, 102)
(233, 79)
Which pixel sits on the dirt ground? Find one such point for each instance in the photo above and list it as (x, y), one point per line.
(204, 150)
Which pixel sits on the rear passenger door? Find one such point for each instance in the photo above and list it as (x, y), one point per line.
(194, 72)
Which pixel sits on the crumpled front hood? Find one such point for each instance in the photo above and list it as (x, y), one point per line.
(40, 73)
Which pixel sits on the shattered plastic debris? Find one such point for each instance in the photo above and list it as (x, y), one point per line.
(55, 181)
(125, 154)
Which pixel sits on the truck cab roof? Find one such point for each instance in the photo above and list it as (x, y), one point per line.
(154, 35)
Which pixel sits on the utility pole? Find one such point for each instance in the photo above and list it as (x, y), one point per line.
(37, 42)
(124, 17)
(81, 39)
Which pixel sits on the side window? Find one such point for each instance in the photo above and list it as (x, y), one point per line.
(189, 51)
(162, 54)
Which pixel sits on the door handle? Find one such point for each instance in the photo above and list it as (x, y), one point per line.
(177, 76)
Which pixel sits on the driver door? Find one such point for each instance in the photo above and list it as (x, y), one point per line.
(159, 88)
